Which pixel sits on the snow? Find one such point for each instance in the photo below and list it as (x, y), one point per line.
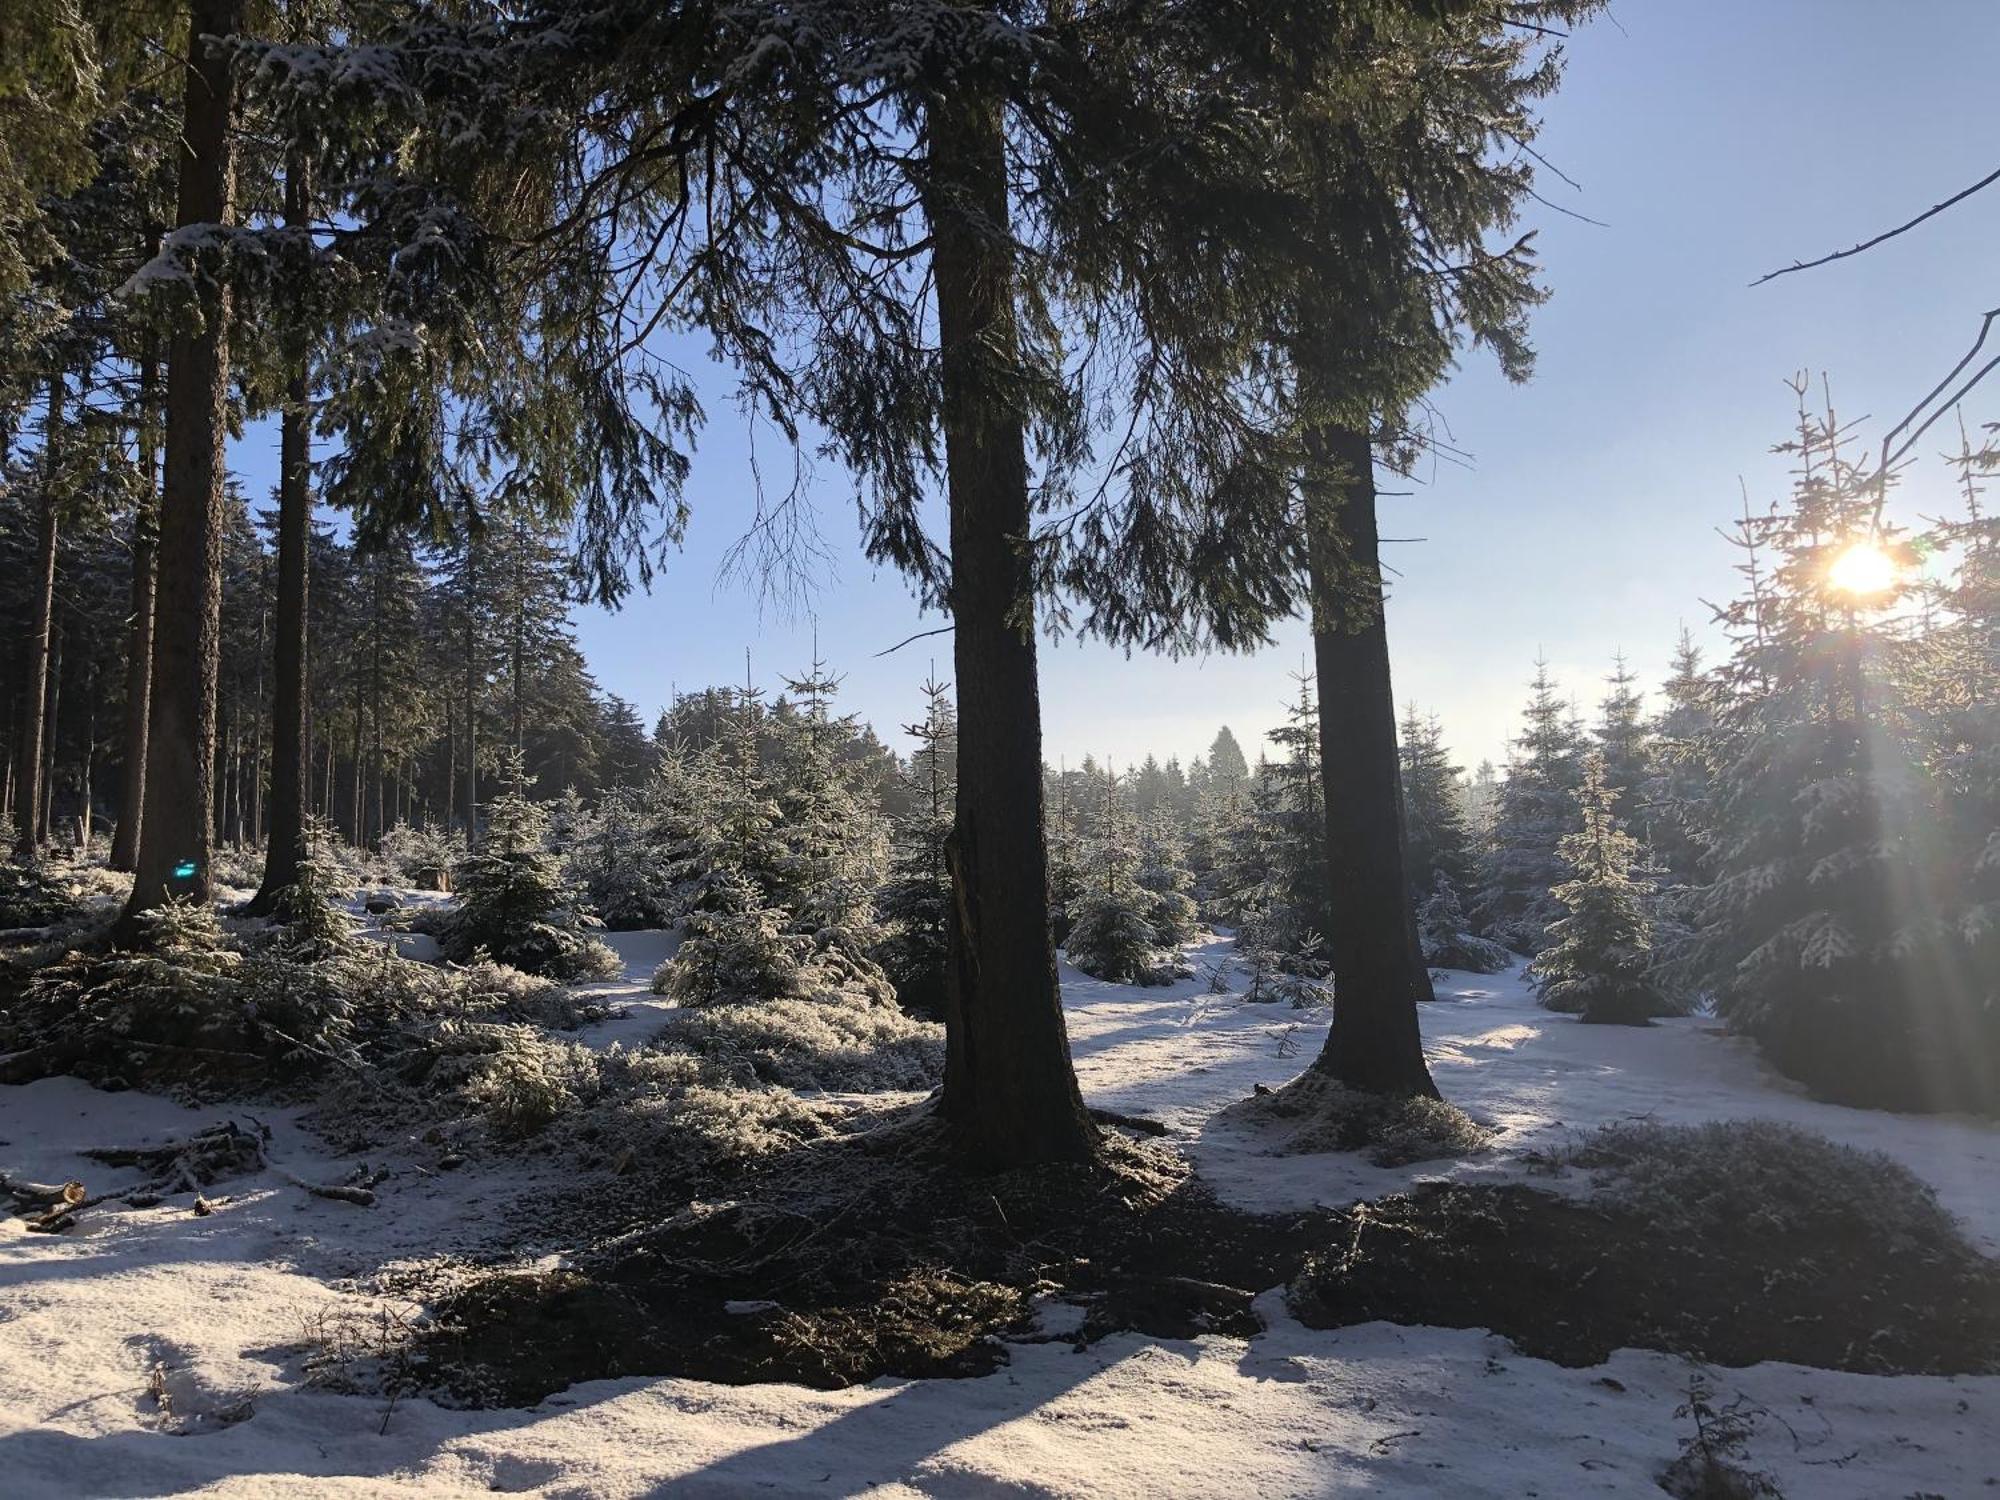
(226, 1307)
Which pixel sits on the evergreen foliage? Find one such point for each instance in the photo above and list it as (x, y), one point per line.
(915, 904)
(1438, 842)
(1827, 932)
(1535, 811)
(1598, 959)
(1447, 938)
(514, 902)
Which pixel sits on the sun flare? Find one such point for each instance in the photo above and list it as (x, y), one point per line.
(1863, 570)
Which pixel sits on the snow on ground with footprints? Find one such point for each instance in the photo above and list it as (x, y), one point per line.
(153, 1352)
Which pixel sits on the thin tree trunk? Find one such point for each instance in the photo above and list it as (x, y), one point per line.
(139, 629)
(52, 717)
(175, 848)
(287, 807)
(84, 817)
(1374, 1042)
(1009, 1089)
(471, 702)
(28, 745)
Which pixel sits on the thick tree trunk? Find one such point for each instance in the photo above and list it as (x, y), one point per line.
(1374, 1042)
(1009, 1089)
(287, 808)
(139, 629)
(175, 840)
(28, 746)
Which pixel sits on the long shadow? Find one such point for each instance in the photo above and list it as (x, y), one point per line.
(889, 1439)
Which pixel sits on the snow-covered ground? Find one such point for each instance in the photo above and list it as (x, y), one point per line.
(218, 1313)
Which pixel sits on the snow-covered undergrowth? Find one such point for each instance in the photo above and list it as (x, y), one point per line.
(145, 1321)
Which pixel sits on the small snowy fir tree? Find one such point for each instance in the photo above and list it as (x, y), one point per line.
(1536, 809)
(1597, 963)
(916, 904)
(1447, 937)
(1280, 870)
(619, 867)
(1112, 936)
(1677, 791)
(514, 901)
(309, 923)
(1063, 823)
(835, 836)
(737, 949)
(1437, 835)
(1164, 876)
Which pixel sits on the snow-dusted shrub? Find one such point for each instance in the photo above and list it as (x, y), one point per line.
(170, 1004)
(422, 856)
(515, 905)
(621, 872)
(310, 926)
(737, 948)
(677, 1110)
(32, 896)
(1714, 1179)
(847, 1047)
(527, 1080)
(1299, 979)
(1163, 875)
(1112, 936)
(1315, 1113)
(1447, 939)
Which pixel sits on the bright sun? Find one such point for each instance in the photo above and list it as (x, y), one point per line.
(1863, 569)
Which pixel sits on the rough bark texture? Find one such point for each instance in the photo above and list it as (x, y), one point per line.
(1009, 1091)
(29, 798)
(139, 628)
(1374, 1042)
(176, 839)
(287, 808)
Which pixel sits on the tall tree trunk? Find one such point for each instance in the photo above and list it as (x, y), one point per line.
(1374, 1042)
(28, 745)
(1009, 1089)
(85, 815)
(139, 628)
(471, 703)
(287, 807)
(52, 717)
(176, 851)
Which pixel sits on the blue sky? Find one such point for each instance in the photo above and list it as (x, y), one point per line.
(1715, 140)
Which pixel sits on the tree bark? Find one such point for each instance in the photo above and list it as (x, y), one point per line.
(1009, 1090)
(175, 840)
(287, 806)
(28, 747)
(139, 629)
(1374, 1042)
(471, 701)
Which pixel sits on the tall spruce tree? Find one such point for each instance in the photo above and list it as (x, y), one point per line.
(1436, 831)
(177, 835)
(1824, 930)
(1536, 810)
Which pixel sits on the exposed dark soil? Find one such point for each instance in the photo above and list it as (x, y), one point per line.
(873, 1264)
(1571, 1281)
(874, 1256)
